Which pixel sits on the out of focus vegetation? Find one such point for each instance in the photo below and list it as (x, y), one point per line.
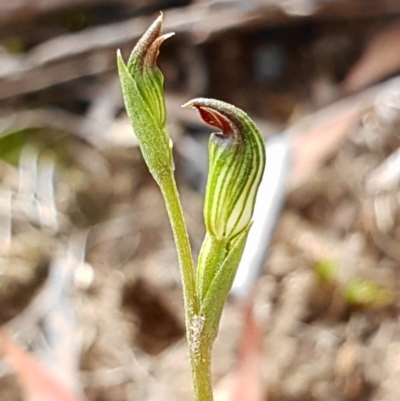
(89, 282)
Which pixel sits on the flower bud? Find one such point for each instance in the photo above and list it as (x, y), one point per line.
(236, 166)
(142, 87)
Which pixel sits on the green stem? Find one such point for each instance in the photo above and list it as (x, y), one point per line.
(199, 349)
(181, 237)
(201, 369)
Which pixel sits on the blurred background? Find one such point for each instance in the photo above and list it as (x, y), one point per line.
(90, 294)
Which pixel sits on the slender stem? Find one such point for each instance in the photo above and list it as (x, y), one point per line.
(199, 349)
(181, 237)
(202, 373)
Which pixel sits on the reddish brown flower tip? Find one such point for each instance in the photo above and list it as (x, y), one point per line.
(154, 49)
(212, 114)
(215, 119)
(145, 53)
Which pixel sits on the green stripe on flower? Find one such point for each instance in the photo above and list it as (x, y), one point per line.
(236, 166)
(142, 87)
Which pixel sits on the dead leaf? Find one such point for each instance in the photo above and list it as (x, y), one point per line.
(380, 59)
(245, 382)
(39, 383)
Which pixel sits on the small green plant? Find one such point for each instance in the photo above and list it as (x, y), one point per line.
(236, 166)
(356, 291)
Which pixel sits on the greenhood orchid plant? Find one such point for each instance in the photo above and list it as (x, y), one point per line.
(236, 166)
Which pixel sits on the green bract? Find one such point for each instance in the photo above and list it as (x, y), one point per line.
(142, 88)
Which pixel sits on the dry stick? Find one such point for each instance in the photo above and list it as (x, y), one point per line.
(91, 51)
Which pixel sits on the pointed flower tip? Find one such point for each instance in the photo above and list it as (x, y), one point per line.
(188, 104)
(146, 50)
(143, 92)
(167, 35)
